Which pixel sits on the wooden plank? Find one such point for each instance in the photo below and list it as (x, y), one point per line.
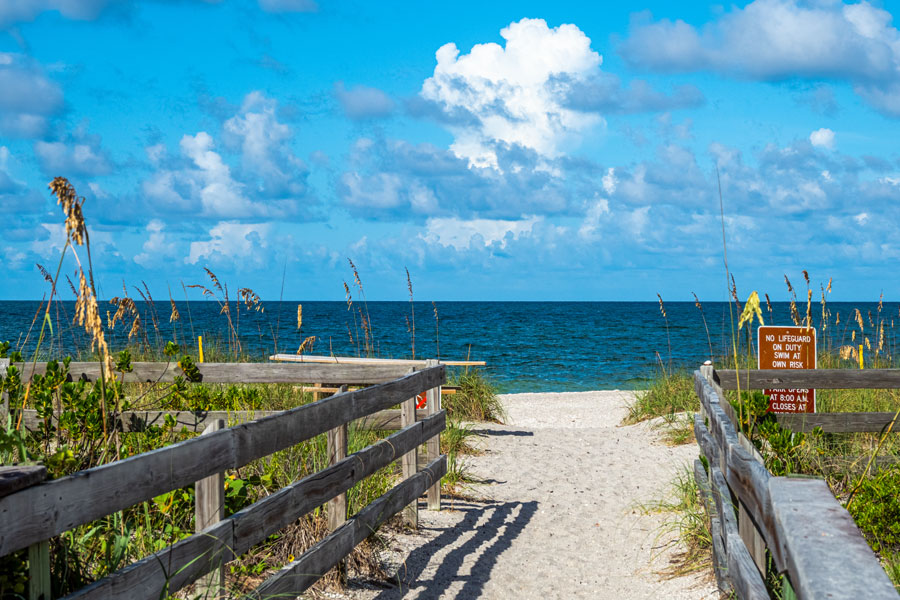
(757, 379)
(62, 504)
(267, 435)
(408, 462)
(747, 527)
(445, 390)
(172, 568)
(209, 509)
(705, 441)
(141, 420)
(433, 446)
(150, 372)
(753, 539)
(39, 571)
(742, 571)
(386, 420)
(847, 422)
(749, 480)
(827, 556)
(18, 477)
(255, 523)
(196, 421)
(720, 426)
(87, 495)
(299, 575)
(355, 360)
(719, 558)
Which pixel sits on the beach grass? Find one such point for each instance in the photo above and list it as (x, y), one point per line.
(670, 398)
(687, 521)
(476, 399)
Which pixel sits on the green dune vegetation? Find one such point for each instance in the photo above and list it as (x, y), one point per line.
(861, 469)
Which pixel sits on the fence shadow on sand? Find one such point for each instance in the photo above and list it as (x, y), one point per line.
(486, 531)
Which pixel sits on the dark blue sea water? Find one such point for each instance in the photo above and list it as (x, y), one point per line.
(528, 346)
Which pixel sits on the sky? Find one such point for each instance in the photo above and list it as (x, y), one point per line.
(495, 150)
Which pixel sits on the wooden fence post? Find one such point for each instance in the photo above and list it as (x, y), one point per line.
(39, 571)
(38, 553)
(209, 508)
(408, 461)
(706, 369)
(337, 506)
(433, 446)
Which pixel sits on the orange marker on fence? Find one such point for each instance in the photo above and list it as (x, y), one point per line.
(860, 356)
(200, 346)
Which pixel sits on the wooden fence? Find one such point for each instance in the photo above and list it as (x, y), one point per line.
(795, 522)
(30, 515)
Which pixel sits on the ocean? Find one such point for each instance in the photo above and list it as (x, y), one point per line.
(528, 346)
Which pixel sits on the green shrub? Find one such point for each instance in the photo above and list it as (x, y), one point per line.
(876, 510)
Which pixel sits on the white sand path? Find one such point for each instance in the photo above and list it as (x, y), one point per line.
(563, 483)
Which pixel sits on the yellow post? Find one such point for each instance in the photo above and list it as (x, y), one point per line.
(200, 346)
(860, 356)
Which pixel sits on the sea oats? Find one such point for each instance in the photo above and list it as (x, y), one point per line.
(214, 279)
(250, 298)
(808, 308)
(72, 287)
(71, 204)
(47, 277)
(306, 344)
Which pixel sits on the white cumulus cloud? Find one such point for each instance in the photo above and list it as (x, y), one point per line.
(503, 92)
(775, 40)
(270, 180)
(264, 144)
(231, 243)
(822, 138)
(158, 248)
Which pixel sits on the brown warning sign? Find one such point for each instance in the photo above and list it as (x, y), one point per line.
(788, 348)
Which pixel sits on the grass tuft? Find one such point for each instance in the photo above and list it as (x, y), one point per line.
(476, 400)
(688, 522)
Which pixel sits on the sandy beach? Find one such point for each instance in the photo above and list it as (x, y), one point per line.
(556, 514)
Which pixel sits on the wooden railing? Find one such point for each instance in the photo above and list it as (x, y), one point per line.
(30, 516)
(796, 522)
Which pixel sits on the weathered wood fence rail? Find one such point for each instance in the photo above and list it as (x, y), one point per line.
(796, 522)
(30, 516)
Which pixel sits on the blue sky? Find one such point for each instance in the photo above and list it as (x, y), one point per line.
(499, 151)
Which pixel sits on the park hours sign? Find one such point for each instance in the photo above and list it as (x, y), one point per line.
(788, 348)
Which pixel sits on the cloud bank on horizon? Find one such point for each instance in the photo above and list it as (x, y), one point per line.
(575, 156)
